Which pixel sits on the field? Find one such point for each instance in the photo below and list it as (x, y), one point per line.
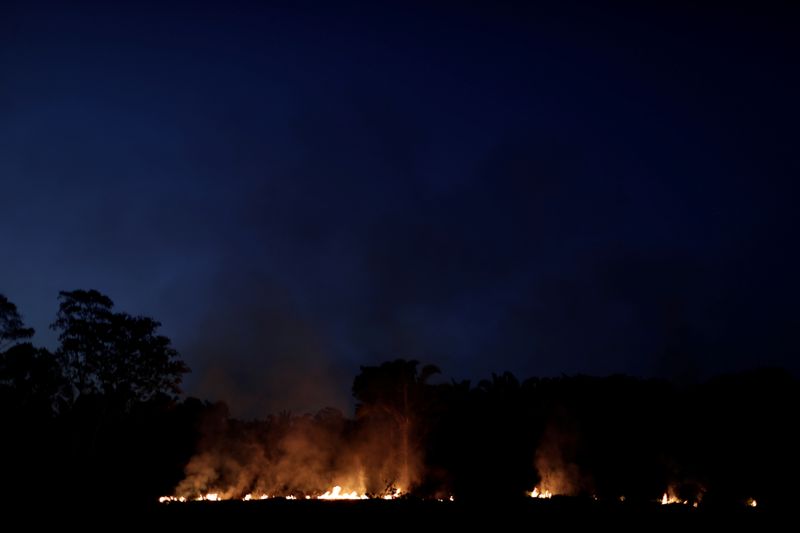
(558, 512)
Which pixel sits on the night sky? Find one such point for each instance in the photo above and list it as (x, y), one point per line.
(297, 190)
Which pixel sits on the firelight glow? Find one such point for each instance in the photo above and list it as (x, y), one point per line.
(336, 493)
(543, 493)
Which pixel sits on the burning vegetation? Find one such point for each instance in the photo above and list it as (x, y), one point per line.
(325, 456)
(81, 417)
(413, 439)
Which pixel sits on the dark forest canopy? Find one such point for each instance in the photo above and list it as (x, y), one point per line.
(103, 411)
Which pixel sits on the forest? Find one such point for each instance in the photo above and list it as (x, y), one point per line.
(102, 417)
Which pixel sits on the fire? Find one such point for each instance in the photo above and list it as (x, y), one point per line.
(338, 494)
(250, 497)
(667, 499)
(392, 495)
(751, 502)
(671, 497)
(544, 493)
(170, 499)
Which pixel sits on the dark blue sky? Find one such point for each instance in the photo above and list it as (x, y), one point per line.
(296, 190)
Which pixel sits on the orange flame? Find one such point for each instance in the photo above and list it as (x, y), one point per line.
(671, 497)
(392, 495)
(543, 493)
(338, 494)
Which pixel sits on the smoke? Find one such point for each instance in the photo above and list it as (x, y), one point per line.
(259, 351)
(299, 456)
(557, 473)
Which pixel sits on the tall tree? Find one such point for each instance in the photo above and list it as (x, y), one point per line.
(12, 329)
(396, 389)
(30, 378)
(114, 354)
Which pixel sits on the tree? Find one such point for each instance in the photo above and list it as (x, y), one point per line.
(31, 380)
(114, 354)
(395, 389)
(12, 329)
(30, 377)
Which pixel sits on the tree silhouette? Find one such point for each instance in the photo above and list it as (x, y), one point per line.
(114, 354)
(31, 387)
(395, 389)
(101, 412)
(30, 377)
(33, 379)
(12, 329)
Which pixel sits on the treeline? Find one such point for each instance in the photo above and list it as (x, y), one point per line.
(100, 418)
(719, 443)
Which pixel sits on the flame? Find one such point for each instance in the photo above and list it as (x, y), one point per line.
(170, 499)
(751, 502)
(392, 495)
(670, 498)
(543, 493)
(338, 494)
(250, 497)
(209, 497)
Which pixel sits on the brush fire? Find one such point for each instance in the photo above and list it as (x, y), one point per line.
(335, 493)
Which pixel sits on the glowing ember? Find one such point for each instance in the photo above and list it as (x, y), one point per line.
(751, 502)
(338, 494)
(544, 493)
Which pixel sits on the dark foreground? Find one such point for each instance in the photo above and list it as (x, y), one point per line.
(429, 515)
